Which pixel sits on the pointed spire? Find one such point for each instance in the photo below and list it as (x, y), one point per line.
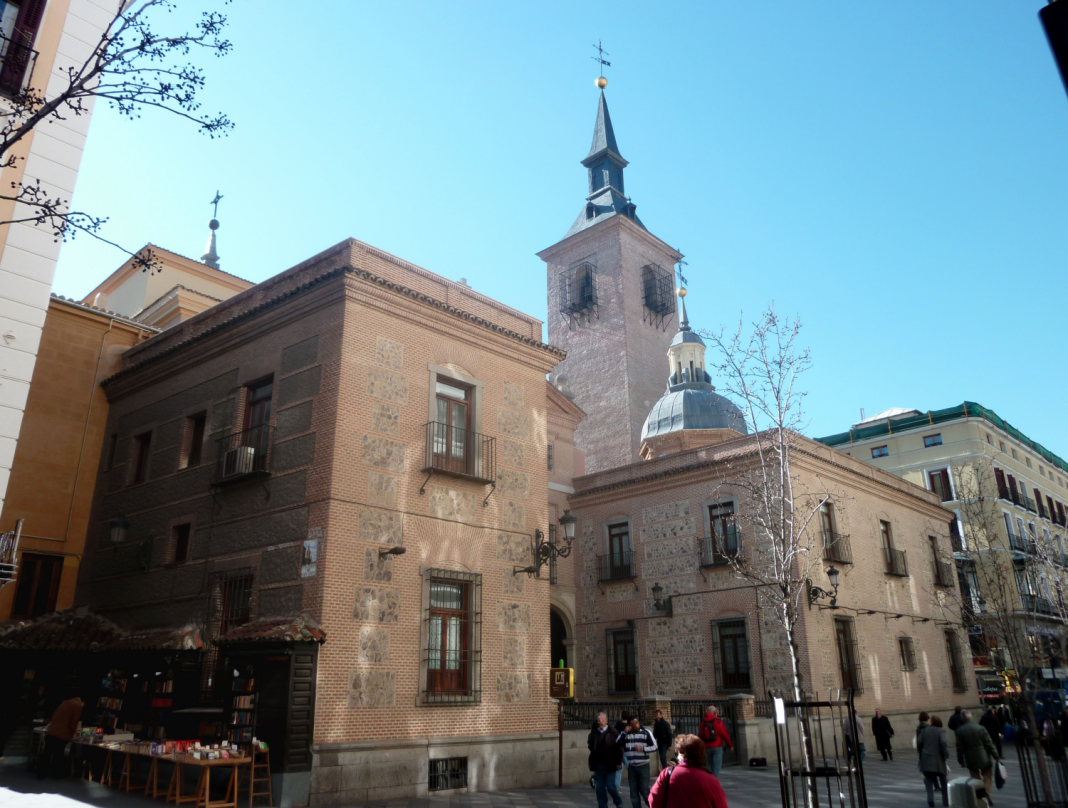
(210, 256)
(604, 137)
(684, 320)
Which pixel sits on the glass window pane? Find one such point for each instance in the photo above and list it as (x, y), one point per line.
(446, 596)
(452, 391)
(452, 645)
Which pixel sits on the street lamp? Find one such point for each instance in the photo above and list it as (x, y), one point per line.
(815, 593)
(660, 605)
(544, 550)
(392, 551)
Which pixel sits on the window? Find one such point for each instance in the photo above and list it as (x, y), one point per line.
(1041, 470)
(1028, 461)
(907, 652)
(956, 661)
(452, 651)
(1039, 504)
(895, 559)
(447, 773)
(1001, 445)
(113, 444)
(835, 546)
(723, 542)
(180, 542)
(550, 457)
(936, 562)
(939, 482)
(141, 445)
(622, 661)
(999, 479)
(932, 440)
(989, 439)
(618, 562)
(957, 539)
(38, 585)
(1014, 455)
(258, 416)
(194, 441)
(969, 586)
(880, 451)
(578, 291)
(230, 606)
(730, 648)
(658, 290)
(845, 642)
(19, 25)
(453, 426)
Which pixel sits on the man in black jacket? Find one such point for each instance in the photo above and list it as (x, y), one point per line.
(606, 758)
(662, 736)
(955, 720)
(990, 723)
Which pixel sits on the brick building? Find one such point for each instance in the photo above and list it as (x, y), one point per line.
(272, 450)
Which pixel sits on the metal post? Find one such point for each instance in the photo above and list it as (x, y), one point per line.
(560, 731)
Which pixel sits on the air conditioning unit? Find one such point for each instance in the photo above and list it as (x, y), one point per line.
(241, 460)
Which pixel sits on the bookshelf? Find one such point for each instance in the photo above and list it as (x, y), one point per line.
(242, 722)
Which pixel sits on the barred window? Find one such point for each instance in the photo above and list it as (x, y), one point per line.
(730, 650)
(956, 661)
(622, 661)
(578, 291)
(658, 292)
(452, 650)
(908, 653)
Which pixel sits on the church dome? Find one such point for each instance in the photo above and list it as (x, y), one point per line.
(694, 407)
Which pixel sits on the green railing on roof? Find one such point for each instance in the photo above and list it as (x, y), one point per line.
(969, 409)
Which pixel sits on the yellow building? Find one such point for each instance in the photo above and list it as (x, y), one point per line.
(1016, 529)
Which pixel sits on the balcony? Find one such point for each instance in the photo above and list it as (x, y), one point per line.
(17, 61)
(719, 551)
(836, 548)
(460, 453)
(895, 563)
(943, 573)
(1003, 492)
(1037, 604)
(1027, 502)
(1017, 543)
(243, 455)
(616, 566)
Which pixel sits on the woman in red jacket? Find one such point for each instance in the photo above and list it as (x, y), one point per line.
(687, 784)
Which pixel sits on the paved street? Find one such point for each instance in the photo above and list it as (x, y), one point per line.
(890, 785)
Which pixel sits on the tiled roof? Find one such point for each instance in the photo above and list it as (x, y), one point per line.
(299, 628)
(60, 631)
(115, 315)
(164, 639)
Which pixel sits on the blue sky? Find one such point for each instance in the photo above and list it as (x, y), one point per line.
(893, 173)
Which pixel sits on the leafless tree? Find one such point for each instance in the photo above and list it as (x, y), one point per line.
(133, 66)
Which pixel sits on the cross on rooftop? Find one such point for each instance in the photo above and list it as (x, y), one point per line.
(215, 202)
(599, 58)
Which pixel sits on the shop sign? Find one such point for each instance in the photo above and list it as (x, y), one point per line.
(562, 683)
(975, 631)
(1060, 673)
(1047, 673)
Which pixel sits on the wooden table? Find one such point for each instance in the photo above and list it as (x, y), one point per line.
(202, 797)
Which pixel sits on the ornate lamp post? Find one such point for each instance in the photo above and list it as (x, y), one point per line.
(816, 594)
(545, 550)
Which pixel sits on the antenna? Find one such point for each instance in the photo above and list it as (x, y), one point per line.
(599, 58)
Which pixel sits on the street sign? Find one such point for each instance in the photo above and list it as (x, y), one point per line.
(562, 683)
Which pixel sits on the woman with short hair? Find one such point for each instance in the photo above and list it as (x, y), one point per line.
(687, 784)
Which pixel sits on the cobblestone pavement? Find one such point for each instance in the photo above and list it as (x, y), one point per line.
(896, 784)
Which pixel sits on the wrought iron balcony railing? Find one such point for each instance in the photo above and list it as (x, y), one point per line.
(718, 551)
(17, 60)
(1027, 502)
(1037, 604)
(243, 454)
(943, 573)
(895, 563)
(1017, 543)
(1003, 492)
(836, 548)
(616, 566)
(460, 453)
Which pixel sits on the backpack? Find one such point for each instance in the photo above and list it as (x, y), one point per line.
(707, 731)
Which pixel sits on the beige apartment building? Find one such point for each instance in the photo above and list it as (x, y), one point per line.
(960, 454)
(40, 41)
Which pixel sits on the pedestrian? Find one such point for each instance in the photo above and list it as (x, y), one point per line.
(934, 753)
(883, 732)
(976, 752)
(60, 730)
(637, 742)
(955, 720)
(714, 733)
(606, 758)
(662, 736)
(854, 736)
(688, 784)
(924, 719)
(621, 728)
(990, 723)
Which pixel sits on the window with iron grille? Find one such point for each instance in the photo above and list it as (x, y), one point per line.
(550, 457)
(658, 291)
(447, 773)
(622, 661)
(845, 640)
(956, 661)
(229, 606)
(578, 290)
(907, 652)
(730, 651)
(452, 637)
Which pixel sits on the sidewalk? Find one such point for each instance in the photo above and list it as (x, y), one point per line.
(896, 784)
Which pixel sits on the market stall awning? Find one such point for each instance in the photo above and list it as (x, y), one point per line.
(163, 639)
(298, 628)
(76, 630)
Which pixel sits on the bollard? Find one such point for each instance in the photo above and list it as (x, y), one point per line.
(964, 793)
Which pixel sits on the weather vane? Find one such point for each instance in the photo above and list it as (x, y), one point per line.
(601, 81)
(215, 202)
(678, 269)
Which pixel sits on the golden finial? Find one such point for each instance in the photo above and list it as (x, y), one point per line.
(681, 292)
(601, 82)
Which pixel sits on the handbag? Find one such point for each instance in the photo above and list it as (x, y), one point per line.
(667, 786)
(1000, 775)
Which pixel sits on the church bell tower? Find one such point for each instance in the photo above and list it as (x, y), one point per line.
(611, 307)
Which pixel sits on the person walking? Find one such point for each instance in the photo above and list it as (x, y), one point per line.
(925, 719)
(955, 720)
(621, 728)
(606, 758)
(992, 725)
(60, 730)
(662, 736)
(854, 736)
(637, 742)
(883, 732)
(934, 753)
(688, 784)
(714, 733)
(976, 752)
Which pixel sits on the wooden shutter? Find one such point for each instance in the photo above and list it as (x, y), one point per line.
(1039, 504)
(999, 479)
(28, 21)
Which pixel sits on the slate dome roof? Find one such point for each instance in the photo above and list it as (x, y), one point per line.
(693, 407)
